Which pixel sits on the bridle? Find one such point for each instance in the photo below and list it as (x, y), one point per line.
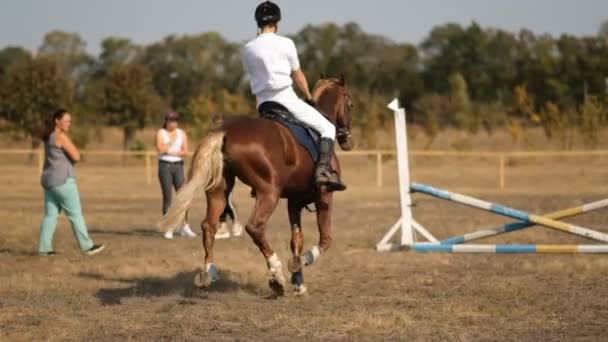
(342, 129)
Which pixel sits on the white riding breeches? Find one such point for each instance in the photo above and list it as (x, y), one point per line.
(300, 110)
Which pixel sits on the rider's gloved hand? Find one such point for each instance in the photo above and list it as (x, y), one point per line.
(311, 102)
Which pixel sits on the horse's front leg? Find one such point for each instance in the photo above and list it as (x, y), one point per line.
(297, 245)
(323, 206)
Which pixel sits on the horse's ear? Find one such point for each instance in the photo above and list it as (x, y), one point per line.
(342, 79)
(322, 76)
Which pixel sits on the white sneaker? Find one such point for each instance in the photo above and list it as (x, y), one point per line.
(223, 232)
(168, 235)
(237, 229)
(186, 231)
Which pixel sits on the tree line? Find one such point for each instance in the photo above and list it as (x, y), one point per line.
(468, 77)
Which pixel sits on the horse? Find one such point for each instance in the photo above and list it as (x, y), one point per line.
(264, 155)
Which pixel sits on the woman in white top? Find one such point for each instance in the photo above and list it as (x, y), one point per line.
(172, 146)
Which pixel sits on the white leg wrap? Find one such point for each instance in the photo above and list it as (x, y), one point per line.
(313, 254)
(274, 264)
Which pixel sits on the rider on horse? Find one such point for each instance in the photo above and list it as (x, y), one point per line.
(272, 63)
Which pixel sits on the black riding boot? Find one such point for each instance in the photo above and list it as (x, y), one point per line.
(325, 174)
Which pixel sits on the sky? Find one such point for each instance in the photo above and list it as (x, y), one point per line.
(24, 22)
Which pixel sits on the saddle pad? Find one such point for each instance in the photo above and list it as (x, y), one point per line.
(305, 137)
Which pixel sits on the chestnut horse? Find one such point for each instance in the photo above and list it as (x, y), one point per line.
(264, 155)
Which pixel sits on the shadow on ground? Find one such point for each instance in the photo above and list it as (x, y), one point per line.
(17, 252)
(181, 284)
(142, 232)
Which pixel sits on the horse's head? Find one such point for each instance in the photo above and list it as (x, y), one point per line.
(333, 101)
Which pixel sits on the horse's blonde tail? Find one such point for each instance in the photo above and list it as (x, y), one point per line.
(206, 173)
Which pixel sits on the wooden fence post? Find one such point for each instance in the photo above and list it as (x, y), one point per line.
(148, 168)
(501, 171)
(40, 160)
(379, 180)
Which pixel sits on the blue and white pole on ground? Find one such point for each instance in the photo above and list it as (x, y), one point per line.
(515, 226)
(509, 212)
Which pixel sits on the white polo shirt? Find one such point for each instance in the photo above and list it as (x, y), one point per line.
(269, 61)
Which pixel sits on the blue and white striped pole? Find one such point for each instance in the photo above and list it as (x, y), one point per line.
(509, 212)
(511, 227)
(436, 248)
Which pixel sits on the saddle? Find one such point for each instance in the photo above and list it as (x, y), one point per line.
(304, 135)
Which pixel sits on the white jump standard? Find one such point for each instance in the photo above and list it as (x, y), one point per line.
(408, 226)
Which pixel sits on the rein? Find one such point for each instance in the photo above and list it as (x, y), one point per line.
(342, 132)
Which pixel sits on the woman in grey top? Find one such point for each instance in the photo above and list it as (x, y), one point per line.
(59, 184)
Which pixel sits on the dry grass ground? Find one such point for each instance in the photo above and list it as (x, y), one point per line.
(141, 289)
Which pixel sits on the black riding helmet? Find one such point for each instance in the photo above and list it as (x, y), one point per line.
(267, 13)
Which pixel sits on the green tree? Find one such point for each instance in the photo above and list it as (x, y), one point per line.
(603, 31)
(451, 49)
(207, 108)
(127, 99)
(183, 67)
(522, 105)
(432, 107)
(491, 115)
(68, 50)
(539, 68)
(369, 132)
(592, 113)
(521, 112)
(551, 119)
(373, 64)
(118, 51)
(499, 66)
(62, 43)
(10, 55)
(460, 103)
(29, 91)
(559, 123)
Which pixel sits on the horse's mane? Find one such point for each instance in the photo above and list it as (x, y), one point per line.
(322, 85)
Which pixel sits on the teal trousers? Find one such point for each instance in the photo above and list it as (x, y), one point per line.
(64, 197)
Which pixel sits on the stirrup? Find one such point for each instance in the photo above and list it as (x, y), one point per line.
(335, 186)
(331, 184)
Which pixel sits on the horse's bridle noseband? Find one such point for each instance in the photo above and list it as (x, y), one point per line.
(342, 133)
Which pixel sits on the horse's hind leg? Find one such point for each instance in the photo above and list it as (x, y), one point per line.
(265, 205)
(297, 245)
(215, 206)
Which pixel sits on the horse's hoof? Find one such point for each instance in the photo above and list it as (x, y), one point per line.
(277, 284)
(295, 264)
(205, 278)
(277, 288)
(300, 290)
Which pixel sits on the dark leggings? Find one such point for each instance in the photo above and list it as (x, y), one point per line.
(229, 210)
(171, 176)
